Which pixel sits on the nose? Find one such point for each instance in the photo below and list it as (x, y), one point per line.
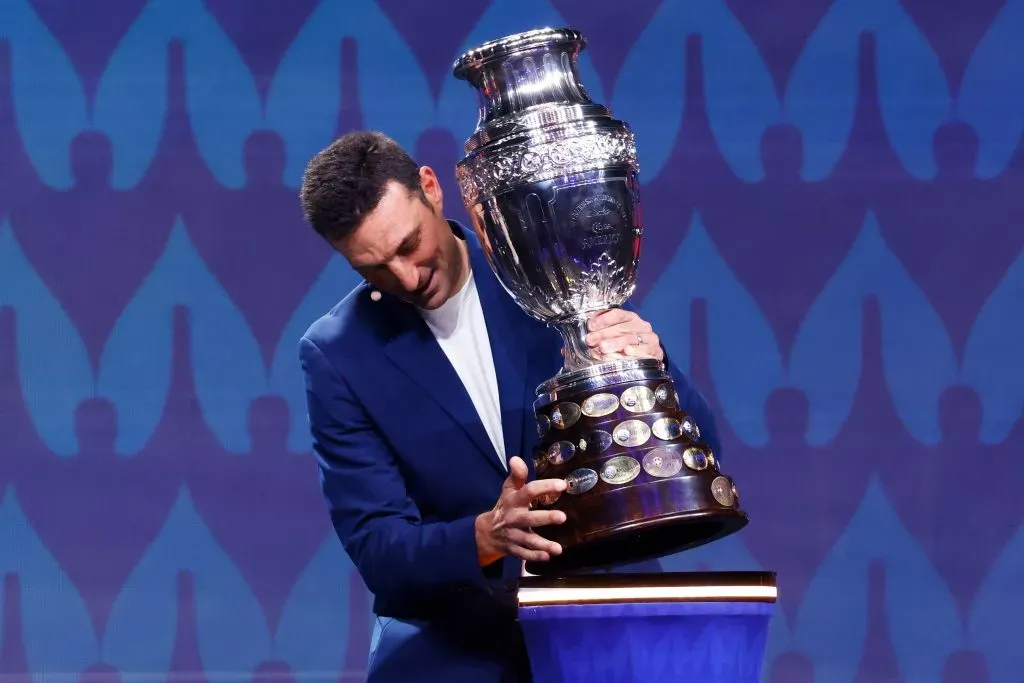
(406, 274)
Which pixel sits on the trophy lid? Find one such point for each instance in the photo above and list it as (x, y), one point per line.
(506, 46)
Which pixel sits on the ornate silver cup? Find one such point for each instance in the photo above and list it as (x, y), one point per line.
(549, 179)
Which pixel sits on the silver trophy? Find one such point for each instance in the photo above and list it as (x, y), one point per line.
(549, 180)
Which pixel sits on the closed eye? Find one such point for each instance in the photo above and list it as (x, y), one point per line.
(410, 243)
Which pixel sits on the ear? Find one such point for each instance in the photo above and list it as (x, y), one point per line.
(431, 188)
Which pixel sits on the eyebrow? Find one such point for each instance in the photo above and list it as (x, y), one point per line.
(410, 242)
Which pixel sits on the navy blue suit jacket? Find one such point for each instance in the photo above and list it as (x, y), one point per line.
(406, 467)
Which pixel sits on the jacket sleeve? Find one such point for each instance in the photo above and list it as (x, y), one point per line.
(398, 555)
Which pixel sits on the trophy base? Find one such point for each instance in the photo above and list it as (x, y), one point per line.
(672, 626)
(641, 482)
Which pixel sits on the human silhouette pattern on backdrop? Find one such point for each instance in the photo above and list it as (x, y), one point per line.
(122, 230)
(879, 454)
(18, 181)
(966, 249)
(286, 256)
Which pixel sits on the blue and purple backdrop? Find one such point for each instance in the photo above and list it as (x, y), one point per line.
(835, 209)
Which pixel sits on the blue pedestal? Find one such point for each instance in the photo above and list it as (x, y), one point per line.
(679, 627)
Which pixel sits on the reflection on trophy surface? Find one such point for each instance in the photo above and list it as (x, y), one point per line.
(550, 182)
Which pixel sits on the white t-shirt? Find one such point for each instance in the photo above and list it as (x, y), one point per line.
(458, 325)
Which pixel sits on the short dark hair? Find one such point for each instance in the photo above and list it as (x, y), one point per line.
(346, 180)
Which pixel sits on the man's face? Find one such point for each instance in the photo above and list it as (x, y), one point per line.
(406, 248)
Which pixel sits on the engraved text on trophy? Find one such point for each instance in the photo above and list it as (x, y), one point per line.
(599, 221)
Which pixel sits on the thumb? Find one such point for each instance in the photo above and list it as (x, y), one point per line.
(517, 473)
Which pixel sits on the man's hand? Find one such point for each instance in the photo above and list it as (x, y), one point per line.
(507, 529)
(618, 333)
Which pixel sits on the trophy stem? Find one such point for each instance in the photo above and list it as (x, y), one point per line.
(577, 353)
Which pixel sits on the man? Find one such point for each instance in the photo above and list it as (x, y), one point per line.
(420, 388)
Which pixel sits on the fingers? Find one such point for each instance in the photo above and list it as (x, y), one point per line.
(649, 349)
(628, 328)
(616, 333)
(630, 344)
(530, 546)
(638, 345)
(530, 555)
(539, 488)
(539, 518)
(518, 537)
(610, 317)
(600, 329)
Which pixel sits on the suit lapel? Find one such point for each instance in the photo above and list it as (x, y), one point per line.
(509, 348)
(416, 352)
(412, 347)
